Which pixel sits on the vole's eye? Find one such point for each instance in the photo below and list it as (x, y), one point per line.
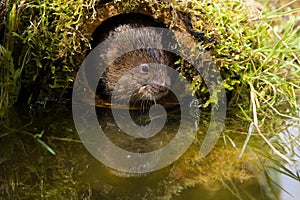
(144, 68)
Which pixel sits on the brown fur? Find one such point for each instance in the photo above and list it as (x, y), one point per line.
(131, 63)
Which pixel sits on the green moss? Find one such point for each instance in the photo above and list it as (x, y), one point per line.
(250, 43)
(47, 41)
(244, 45)
(8, 79)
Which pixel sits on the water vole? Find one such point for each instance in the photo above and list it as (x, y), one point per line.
(140, 69)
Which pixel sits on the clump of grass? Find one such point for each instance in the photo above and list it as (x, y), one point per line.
(47, 43)
(9, 75)
(8, 79)
(245, 46)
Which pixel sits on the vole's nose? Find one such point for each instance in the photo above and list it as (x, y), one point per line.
(159, 88)
(159, 82)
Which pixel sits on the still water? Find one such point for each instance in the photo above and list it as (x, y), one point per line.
(291, 185)
(29, 171)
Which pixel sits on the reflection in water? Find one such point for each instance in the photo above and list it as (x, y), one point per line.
(292, 186)
(27, 170)
(137, 144)
(251, 191)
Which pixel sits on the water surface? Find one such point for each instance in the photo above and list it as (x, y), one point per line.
(30, 171)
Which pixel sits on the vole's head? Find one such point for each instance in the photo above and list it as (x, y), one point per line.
(140, 76)
(156, 81)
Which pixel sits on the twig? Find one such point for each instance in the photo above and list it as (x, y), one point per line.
(65, 139)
